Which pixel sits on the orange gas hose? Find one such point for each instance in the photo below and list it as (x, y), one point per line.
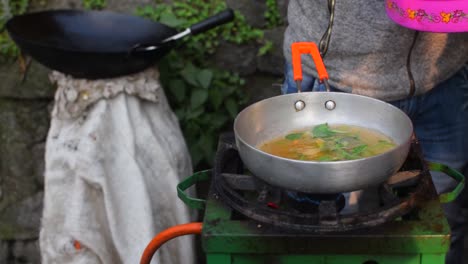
(166, 235)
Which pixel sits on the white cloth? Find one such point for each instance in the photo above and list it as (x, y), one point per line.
(114, 156)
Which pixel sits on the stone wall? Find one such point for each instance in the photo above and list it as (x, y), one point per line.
(26, 100)
(24, 120)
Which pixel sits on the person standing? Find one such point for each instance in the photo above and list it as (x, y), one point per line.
(424, 74)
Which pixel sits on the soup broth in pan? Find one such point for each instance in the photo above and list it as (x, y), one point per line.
(329, 143)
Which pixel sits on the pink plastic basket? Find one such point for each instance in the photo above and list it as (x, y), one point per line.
(430, 15)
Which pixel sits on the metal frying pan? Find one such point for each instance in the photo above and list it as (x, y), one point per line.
(282, 114)
(98, 44)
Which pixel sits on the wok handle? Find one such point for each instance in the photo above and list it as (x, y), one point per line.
(454, 174)
(207, 24)
(194, 203)
(299, 48)
(213, 21)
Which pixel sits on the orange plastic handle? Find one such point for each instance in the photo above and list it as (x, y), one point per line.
(166, 235)
(299, 48)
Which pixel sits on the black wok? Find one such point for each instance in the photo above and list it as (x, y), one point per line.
(98, 44)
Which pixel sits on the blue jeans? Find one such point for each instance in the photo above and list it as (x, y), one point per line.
(440, 119)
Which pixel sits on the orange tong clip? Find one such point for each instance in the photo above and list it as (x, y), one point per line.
(299, 48)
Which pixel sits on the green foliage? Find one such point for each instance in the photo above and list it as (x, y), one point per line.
(18, 6)
(8, 48)
(94, 4)
(183, 14)
(267, 47)
(206, 100)
(272, 14)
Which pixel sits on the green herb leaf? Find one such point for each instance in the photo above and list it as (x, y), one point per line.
(346, 155)
(358, 149)
(338, 144)
(322, 131)
(294, 136)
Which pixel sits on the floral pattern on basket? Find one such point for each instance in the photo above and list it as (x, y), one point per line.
(454, 16)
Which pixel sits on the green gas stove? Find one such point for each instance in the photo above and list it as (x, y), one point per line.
(246, 221)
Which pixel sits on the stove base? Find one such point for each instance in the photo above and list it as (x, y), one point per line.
(249, 222)
(229, 237)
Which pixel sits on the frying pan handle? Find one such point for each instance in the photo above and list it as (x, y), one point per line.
(214, 21)
(299, 48)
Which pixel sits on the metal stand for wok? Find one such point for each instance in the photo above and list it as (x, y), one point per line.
(245, 222)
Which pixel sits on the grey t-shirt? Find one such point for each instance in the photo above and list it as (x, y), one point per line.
(367, 53)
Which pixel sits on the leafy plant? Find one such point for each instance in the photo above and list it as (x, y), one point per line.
(94, 4)
(267, 47)
(8, 48)
(183, 14)
(8, 9)
(272, 14)
(205, 99)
